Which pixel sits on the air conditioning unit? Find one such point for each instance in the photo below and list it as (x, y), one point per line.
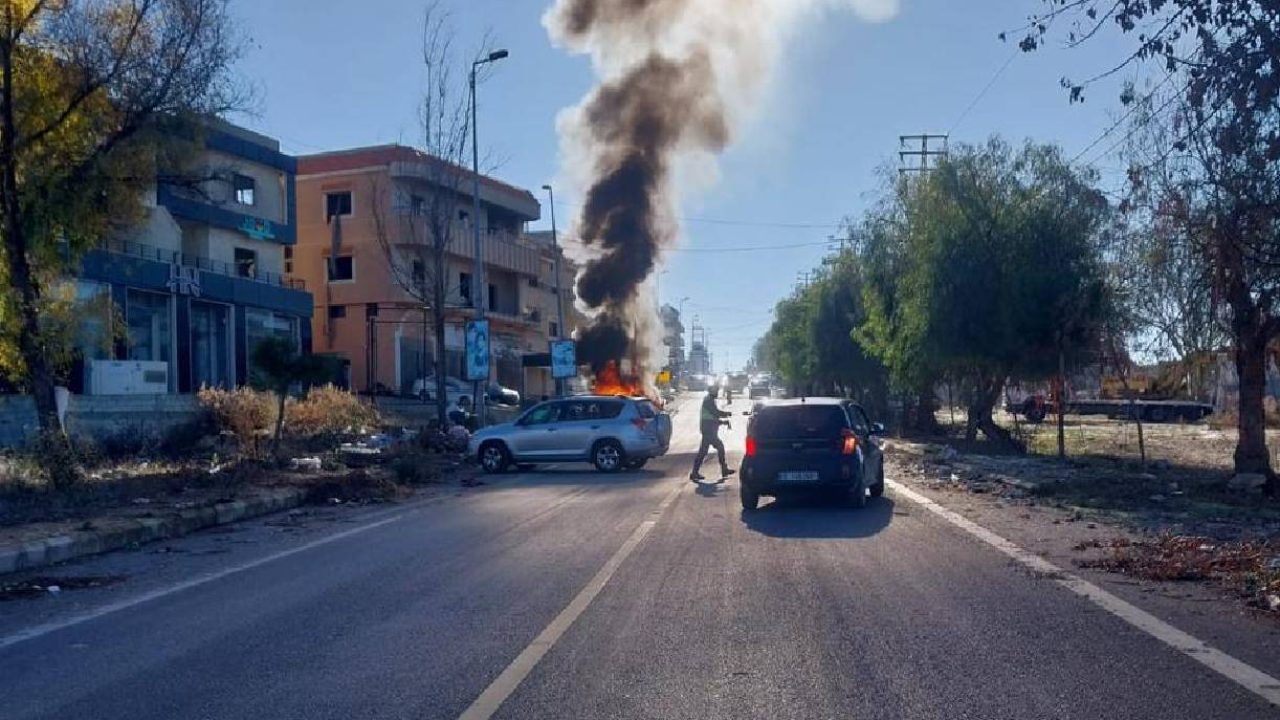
(126, 377)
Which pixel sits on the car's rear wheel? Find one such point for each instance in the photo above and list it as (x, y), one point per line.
(494, 457)
(858, 495)
(608, 456)
(750, 500)
(877, 489)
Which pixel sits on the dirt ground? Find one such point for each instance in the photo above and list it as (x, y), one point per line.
(1173, 520)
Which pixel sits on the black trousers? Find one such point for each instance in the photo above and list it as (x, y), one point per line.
(708, 442)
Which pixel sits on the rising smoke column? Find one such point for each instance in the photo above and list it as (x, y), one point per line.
(675, 76)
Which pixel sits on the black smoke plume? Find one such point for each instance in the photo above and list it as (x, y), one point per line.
(635, 125)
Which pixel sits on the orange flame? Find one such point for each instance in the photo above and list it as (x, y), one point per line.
(609, 381)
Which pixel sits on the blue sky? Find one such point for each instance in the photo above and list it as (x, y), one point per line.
(337, 74)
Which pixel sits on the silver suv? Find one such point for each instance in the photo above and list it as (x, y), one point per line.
(612, 433)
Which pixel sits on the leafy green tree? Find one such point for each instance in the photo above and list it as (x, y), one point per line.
(894, 331)
(989, 270)
(89, 90)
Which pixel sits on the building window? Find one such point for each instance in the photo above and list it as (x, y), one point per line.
(211, 360)
(464, 216)
(464, 286)
(342, 268)
(417, 205)
(337, 203)
(288, 252)
(337, 311)
(493, 297)
(95, 310)
(419, 273)
(262, 324)
(244, 187)
(246, 262)
(555, 330)
(147, 316)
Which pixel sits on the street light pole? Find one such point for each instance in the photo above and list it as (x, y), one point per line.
(555, 248)
(478, 286)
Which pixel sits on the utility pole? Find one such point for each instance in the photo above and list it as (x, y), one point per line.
(912, 147)
(555, 248)
(479, 289)
(802, 280)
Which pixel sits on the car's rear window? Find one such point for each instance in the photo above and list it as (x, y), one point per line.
(799, 421)
(590, 410)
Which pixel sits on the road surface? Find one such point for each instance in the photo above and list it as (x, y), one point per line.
(562, 593)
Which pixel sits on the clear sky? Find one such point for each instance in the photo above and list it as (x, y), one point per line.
(336, 74)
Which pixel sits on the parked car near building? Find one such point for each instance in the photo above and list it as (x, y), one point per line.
(425, 389)
(611, 433)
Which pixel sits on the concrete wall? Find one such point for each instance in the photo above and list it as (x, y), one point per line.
(100, 417)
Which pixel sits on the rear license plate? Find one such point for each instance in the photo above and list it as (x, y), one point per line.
(798, 476)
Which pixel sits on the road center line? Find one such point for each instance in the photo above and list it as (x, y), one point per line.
(506, 683)
(41, 630)
(1242, 674)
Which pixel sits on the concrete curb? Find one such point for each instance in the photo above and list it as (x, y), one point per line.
(49, 551)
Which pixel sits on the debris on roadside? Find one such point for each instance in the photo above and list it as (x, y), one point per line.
(1248, 567)
(305, 464)
(46, 585)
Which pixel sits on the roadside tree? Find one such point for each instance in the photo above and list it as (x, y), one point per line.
(1214, 175)
(91, 92)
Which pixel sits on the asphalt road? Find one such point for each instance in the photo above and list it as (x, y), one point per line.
(798, 611)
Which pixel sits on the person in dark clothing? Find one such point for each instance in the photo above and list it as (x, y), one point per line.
(709, 422)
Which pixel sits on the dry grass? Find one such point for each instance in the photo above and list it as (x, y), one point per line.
(1204, 447)
(329, 409)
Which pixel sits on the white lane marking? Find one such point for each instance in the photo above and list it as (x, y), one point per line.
(41, 630)
(1244, 675)
(506, 683)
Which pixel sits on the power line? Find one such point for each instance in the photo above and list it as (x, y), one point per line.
(1133, 108)
(752, 248)
(748, 248)
(983, 93)
(737, 223)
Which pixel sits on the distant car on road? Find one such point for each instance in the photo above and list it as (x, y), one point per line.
(811, 444)
(759, 389)
(425, 389)
(611, 432)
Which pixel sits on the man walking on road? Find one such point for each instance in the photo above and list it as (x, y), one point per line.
(710, 420)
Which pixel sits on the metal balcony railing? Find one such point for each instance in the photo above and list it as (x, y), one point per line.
(218, 267)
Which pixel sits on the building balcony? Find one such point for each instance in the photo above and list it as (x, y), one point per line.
(501, 250)
(217, 267)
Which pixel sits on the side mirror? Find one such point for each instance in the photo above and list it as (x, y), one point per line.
(877, 428)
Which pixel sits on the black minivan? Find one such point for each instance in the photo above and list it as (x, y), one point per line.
(808, 445)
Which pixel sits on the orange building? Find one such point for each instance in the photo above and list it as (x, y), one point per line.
(367, 203)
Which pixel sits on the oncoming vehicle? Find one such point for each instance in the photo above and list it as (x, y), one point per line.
(611, 432)
(759, 389)
(811, 444)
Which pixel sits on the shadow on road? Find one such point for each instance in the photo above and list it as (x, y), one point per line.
(582, 473)
(816, 517)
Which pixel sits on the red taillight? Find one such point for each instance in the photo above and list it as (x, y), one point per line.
(751, 446)
(850, 443)
(640, 423)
